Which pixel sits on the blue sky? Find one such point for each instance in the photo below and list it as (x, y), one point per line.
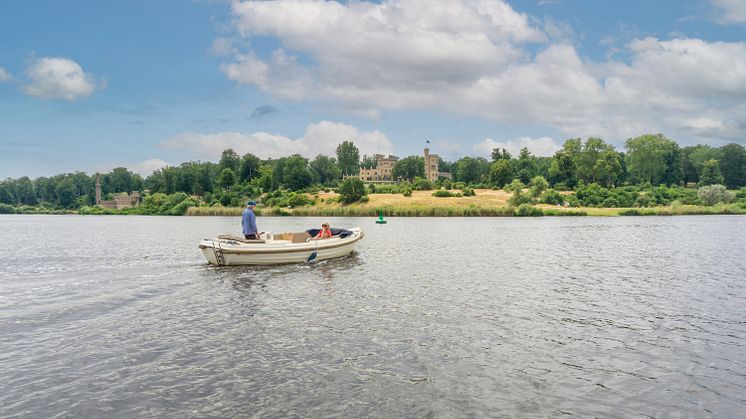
(90, 85)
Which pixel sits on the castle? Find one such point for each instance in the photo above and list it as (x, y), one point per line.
(383, 172)
(121, 200)
(432, 161)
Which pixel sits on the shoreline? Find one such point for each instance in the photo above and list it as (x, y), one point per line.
(432, 212)
(486, 203)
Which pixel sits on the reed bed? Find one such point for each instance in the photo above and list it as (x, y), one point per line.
(214, 211)
(388, 211)
(721, 209)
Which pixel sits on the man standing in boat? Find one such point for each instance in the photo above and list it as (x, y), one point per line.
(248, 222)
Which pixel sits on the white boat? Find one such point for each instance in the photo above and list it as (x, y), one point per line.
(272, 249)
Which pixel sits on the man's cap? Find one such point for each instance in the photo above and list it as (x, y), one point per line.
(251, 203)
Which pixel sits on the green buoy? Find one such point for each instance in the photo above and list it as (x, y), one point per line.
(380, 219)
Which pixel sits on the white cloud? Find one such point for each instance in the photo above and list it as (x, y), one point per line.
(5, 76)
(471, 58)
(542, 146)
(58, 78)
(319, 138)
(730, 11)
(221, 47)
(147, 167)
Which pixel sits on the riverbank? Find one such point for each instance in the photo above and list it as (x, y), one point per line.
(486, 203)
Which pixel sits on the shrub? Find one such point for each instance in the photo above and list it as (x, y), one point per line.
(297, 199)
(741, 194)
(182, 207)
(592, 195)
(352, 190)
(407, 192)
(446, 194)
(528, 210)
(518, 198)
(469, 192)
(459, 185)
(552, 197)
(448, 185)
(6, 209)
(561, 186)
(421, 184)
(364, 199)
(537, 185)
(516, 184)
(642, 201)
(610, 202)
(711, 195)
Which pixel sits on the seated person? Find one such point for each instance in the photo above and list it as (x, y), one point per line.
(325, 233)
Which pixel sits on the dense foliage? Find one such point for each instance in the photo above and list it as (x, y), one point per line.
(652, 170)
(352, 190)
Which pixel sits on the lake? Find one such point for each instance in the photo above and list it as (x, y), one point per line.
(431, 317)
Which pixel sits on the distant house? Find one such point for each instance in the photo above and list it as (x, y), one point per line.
(383, 172)
(121, 200)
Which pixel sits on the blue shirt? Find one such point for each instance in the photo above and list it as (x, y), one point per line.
(248, 221)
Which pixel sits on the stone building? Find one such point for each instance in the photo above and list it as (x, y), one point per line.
(383, 172)
(121, 200)
(432, 161)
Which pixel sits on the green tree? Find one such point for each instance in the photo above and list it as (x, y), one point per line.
(501, 172)
(249, 167)
(348, 158)
(351, 190)
(296, 174)
(266, 175)
(648, 157)
(525, 166)
(733, 165)
(409, 168)
(537, 185)
(674, 171)
(23, 191)
(229, 159)
(66, 193)
(608, 167)
(471, 169)
(6, 196)
(500, 154)
(562, 168)
(324, 169)
(119, 180)
(518, 197)
(711, 174)
(368, 162)
(585, 162)
(702, 153)
(226, 179)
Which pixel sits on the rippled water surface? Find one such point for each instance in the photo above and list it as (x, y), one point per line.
(448, 317)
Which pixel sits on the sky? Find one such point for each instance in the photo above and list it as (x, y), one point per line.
(92, 85)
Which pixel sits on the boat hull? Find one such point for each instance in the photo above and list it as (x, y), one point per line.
(273, 252)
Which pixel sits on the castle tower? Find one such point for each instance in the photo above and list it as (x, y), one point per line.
(98, 189)
(431, 166)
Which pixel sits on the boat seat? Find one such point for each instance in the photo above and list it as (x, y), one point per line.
(292, 237)
(300, 237)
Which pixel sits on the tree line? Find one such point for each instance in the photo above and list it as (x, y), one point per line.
(648, 159)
